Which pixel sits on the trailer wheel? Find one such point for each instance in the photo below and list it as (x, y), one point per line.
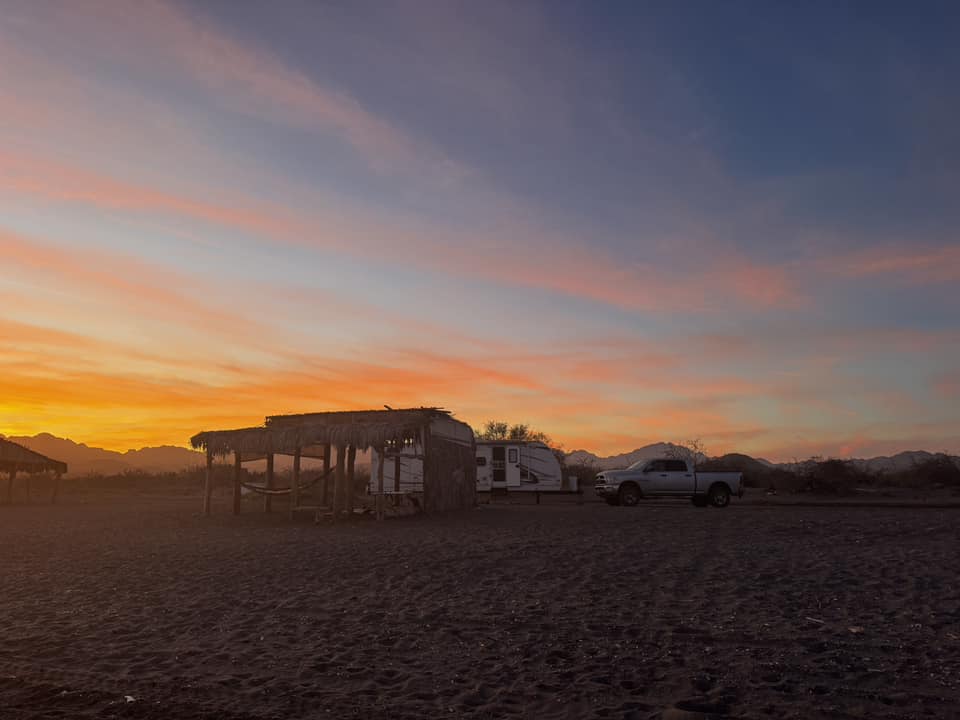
(629, 494)
(699, 501)
(719, 496)
(612, 500)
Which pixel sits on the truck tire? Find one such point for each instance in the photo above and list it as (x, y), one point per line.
(699, 501)
(719, 496)
(629, 494)
(612, 500)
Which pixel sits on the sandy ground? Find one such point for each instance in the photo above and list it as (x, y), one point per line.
(556, 611)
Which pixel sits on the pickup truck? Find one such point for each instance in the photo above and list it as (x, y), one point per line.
(668, 478)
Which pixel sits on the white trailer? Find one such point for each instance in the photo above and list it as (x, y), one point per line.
(520, 466)
(410, 459)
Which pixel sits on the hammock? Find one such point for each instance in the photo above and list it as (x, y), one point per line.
(263, 490)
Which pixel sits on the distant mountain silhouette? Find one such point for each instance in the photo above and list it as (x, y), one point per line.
(616, 462)
(746, 464)
(883, 464)
(82, 459)
(756, 472)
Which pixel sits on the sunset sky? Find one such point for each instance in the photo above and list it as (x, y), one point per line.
(618, 222)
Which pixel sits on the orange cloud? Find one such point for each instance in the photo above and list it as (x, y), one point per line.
(145, 289)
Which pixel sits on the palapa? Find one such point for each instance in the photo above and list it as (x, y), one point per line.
(317, 435)
(286, 434)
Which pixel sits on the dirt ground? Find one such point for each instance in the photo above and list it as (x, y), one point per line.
(140, 608)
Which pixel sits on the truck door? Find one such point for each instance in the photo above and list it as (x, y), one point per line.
(654, 480)
(679, 480)
(499, 466)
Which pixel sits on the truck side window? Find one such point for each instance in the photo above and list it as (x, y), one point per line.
(512, 455)
(676, 466)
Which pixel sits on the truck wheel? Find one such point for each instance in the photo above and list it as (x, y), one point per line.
(629, 495)
(612, 500)
(719, 496)
(699, 500)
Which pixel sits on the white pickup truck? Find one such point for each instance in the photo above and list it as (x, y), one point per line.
(668, 478)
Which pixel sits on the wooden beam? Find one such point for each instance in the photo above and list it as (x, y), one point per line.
(325, 497)
(237, 475)
(268, 499)
(208, 483)
(295, 485)
(382, 459)
(56, 488)
(10, 479)
(351, 477)
(339, 477)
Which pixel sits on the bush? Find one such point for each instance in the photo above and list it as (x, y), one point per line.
(833, 477)
(939, 471)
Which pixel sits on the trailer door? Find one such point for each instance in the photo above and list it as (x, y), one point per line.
(499, 466)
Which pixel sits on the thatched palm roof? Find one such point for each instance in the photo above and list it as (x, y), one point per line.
(17, 458)
(286, 433)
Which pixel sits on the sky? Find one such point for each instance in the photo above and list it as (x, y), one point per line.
(620, 223)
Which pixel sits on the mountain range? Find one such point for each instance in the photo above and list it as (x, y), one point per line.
(83, 459)
(876, 465)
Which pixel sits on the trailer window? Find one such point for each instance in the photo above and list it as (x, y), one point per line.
(481, 461)
(512, 455)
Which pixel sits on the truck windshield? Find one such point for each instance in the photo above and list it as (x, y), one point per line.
(638, 465)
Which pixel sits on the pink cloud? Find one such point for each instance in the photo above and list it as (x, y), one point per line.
(153, 37)
(563, 269)
(910, 265)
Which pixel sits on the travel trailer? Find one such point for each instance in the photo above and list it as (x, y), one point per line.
(519, 466)
(409, 461)
(511, 465)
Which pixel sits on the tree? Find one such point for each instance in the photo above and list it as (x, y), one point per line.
(521, 432)
(691, 451)
(493, 430)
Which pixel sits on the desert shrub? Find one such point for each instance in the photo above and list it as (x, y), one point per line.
(136, 481)
(833, 477)
(939, 471)
(585, 472)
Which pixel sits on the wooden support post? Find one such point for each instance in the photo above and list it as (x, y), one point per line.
(339, 476)
(56, 488)
(268, 498)
(428, 489)
(295, 484)
(237, 475)
(10, 479)
(208, 483)
(325, 497)
(29, 476)
(380, 498)
(398, 446)
(351, 478)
